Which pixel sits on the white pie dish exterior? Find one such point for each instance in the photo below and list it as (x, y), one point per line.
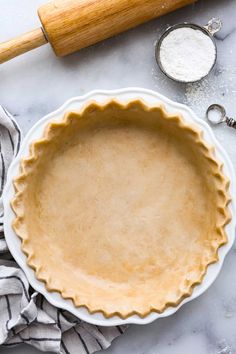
(122, 95)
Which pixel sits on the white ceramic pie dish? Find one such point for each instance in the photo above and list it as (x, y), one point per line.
(122, 95)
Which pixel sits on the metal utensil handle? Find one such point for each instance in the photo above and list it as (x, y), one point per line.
(213, 26)
(230, 122)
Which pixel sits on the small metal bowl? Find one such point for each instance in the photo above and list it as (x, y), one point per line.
(220, 114)
(213, 26)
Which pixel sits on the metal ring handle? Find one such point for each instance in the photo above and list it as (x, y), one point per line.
(214, 25)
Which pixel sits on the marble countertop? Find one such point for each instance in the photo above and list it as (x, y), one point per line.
(38, 82)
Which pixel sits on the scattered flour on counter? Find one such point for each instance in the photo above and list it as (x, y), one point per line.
(223, 348)
(198, 93)
(219, 87)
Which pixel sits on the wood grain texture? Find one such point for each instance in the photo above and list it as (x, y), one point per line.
(74, 24)
(21, 44)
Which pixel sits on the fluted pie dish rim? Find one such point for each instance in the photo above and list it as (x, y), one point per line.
(76, 103)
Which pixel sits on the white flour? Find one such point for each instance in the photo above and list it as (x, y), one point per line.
(215, 115)
(218, 87)
(187, 54)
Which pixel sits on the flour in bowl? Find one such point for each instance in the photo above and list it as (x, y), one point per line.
(187, 54)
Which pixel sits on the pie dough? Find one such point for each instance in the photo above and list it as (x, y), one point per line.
(121, 208)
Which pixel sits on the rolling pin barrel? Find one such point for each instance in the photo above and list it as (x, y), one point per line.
(69, 25)
(74, 24)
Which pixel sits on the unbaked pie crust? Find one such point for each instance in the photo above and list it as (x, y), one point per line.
(121, 208)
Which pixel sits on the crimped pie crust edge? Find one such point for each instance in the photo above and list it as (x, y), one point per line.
(221, 182)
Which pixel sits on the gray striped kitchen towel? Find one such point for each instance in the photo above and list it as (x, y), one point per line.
(25, 316)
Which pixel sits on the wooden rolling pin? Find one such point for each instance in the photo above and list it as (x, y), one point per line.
(69, 25)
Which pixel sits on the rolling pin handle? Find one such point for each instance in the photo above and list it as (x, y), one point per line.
(22, 44)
